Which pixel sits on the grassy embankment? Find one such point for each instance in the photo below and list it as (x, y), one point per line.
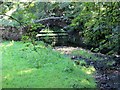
(23, 67)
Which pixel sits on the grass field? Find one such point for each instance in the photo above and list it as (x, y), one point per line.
(26, 66)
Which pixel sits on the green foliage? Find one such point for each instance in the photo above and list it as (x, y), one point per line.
(25, 38)
(5, 22)
(42, 69)
(31, 32)
(85, 54)
(99, 22)
(18, 13)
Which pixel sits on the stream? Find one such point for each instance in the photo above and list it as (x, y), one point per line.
(107, 75)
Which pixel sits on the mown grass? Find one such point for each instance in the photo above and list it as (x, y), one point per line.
(24, 67)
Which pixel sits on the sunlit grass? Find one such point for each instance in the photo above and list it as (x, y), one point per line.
(23, 67)
(85, 54)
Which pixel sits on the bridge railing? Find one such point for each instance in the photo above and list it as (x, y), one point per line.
(52, 34)
(58, 37)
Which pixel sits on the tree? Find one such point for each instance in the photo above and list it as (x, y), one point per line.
(100, 26)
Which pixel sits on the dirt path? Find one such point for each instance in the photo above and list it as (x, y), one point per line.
(107, 76)
(66, 50)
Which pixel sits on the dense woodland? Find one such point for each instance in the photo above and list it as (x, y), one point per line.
(96, 23)
(42, 26)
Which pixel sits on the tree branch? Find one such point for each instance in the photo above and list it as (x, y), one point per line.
(14, 19)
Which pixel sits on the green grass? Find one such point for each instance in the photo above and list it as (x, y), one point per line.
(23, 67)
(85, 54)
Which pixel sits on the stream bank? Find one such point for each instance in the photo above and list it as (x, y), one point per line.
(107, 70)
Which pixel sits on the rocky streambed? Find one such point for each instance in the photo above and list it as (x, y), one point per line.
(107, 76)
(107, 68)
